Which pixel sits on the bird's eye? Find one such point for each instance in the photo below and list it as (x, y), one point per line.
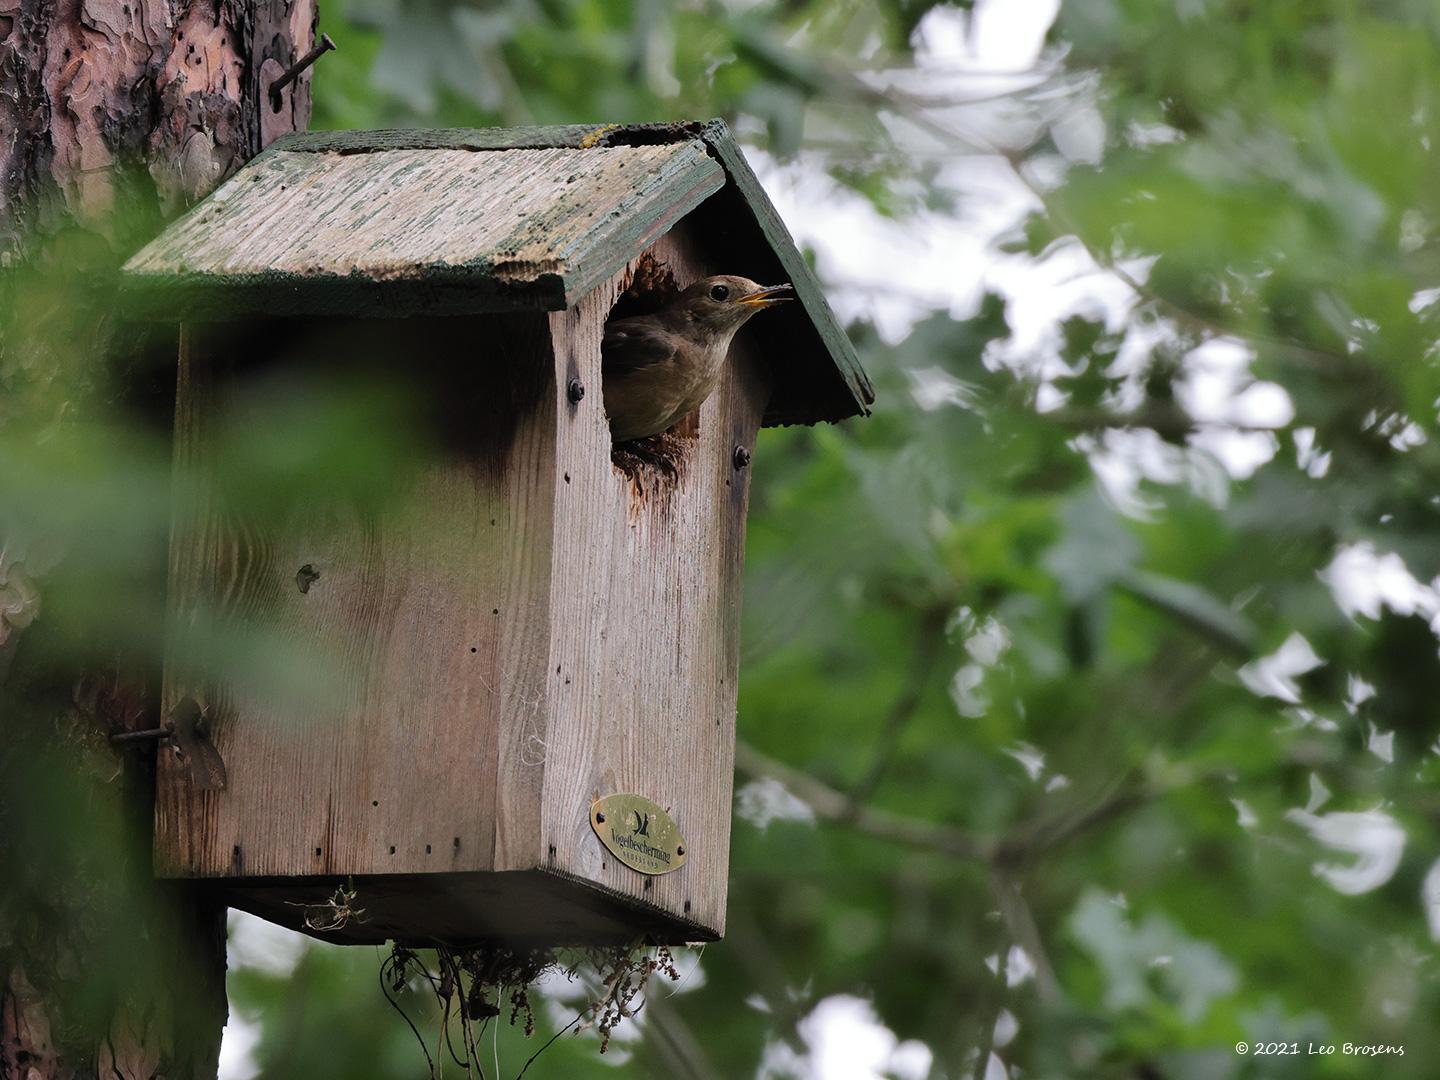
(719, 292)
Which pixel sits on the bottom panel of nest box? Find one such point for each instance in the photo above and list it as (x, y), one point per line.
(532, 908)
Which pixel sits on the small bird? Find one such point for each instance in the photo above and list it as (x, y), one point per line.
(658, 367)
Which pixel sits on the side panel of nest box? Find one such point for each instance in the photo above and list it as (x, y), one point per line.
(371, 642)
(645, 639)
(420, 691)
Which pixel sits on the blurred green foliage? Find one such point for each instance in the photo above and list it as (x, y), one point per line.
(1108, 815)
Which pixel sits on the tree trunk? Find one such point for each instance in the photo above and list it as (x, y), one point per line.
(113, 116)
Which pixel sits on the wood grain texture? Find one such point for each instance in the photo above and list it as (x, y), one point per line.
(521, 219)
(371, 747)
(646, 593)
(527, 628)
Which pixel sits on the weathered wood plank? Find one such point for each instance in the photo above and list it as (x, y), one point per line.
(645, 583)
(412, 643)
(517, 218)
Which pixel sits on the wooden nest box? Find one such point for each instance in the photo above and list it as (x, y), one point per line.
(528, 633)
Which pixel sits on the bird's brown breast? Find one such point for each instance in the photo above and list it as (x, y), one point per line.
(652, 399)
(658, 367)
(654, 377)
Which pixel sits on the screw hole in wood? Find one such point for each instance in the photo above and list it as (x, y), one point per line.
(306, 576)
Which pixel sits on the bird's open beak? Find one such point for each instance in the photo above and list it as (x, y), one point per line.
(770, 294)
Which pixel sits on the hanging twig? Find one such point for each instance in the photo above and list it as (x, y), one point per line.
(393, 969)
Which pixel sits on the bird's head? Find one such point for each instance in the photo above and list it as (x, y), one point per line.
(722, 303)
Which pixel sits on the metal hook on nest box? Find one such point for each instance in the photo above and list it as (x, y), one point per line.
(294, 71)
(188, 731)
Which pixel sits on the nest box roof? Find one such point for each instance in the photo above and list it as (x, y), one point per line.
(487, 220)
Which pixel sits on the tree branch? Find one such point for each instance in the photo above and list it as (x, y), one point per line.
(985, 1045)
(930, 636)
(1169, 423)
(1019, 922)
(838, 807)
(674, 1042)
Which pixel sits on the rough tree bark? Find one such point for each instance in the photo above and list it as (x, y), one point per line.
(113, 115)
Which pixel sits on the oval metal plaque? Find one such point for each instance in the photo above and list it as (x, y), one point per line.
(638, 832)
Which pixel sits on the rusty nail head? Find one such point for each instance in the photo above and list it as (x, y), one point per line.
(575, 391)
(742, 457)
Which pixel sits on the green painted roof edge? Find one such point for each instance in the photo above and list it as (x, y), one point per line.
(807, 287)
(553, 137)
(607, 253)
